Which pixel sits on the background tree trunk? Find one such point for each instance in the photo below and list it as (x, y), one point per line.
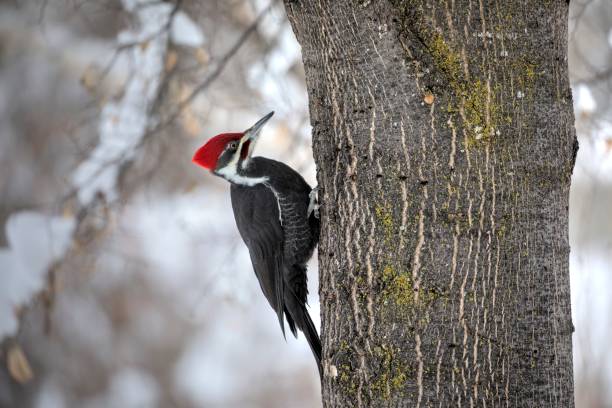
(443, 133)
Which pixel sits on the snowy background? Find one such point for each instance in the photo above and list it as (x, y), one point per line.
(123, 280)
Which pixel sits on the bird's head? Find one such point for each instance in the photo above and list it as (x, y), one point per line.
(226, 153)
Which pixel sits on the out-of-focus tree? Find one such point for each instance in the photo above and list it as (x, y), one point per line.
(142, 294)
(444, 138)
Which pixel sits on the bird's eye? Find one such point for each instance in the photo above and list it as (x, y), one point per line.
(233, 145)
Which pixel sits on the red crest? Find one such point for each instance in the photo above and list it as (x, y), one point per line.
(207, 155)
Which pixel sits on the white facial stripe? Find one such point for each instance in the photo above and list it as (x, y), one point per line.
(230, 173)
(231, 167)
(236, 157)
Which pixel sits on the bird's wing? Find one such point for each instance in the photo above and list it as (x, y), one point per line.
(294, 206)
(257, 217)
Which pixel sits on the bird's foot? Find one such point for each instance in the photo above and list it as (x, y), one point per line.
(313, 205)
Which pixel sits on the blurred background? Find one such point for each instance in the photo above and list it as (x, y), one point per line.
(123, 281)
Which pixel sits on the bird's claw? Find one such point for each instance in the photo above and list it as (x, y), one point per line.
(313, 205)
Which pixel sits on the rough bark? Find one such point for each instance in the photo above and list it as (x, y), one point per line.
(443, 134)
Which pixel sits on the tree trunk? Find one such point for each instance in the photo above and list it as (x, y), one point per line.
(443, 134)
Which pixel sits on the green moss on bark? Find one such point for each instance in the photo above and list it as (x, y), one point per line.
(399, 290)
(392, 375)
(385, 219)
(470, 97)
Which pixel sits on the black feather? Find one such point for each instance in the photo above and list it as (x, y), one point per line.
(252, 212)
(279, 244)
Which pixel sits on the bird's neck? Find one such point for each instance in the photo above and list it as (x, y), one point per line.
(242, 175)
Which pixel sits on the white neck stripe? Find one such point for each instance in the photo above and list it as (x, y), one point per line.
(229, 173)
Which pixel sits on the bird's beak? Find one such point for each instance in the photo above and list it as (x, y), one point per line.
(251, 134)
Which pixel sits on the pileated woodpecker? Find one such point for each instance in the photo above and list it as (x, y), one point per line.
(277, 216)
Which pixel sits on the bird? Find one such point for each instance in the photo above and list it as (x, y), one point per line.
(277, 215)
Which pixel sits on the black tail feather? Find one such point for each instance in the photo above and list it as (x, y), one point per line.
(291, 323)
(279, 296)
(297, 312)
(310, 332)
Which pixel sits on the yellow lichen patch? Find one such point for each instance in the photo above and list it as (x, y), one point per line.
(398, 288)
(445, 59)
(530, 72)
(471, 95)
(392, 375)
(482, 113)
(475, 98)
(388, 383)
(526, 76)
(501, 231)
(385, 218)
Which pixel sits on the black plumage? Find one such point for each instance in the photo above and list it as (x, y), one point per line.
(277, 216)
(274, 223)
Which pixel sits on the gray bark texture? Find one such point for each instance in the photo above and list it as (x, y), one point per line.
(444, 138)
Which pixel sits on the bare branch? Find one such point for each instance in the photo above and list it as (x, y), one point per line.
(214, 74)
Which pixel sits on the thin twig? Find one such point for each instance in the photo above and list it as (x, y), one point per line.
(215, 73)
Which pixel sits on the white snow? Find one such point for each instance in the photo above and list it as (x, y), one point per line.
(51, 395)
(205, 371)
(185, 32)
(36, 241)
(133, 388)
(87, 326)
(130, 387)
(585, 103)
(594, 158)
(179, 267)
(123, 124)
